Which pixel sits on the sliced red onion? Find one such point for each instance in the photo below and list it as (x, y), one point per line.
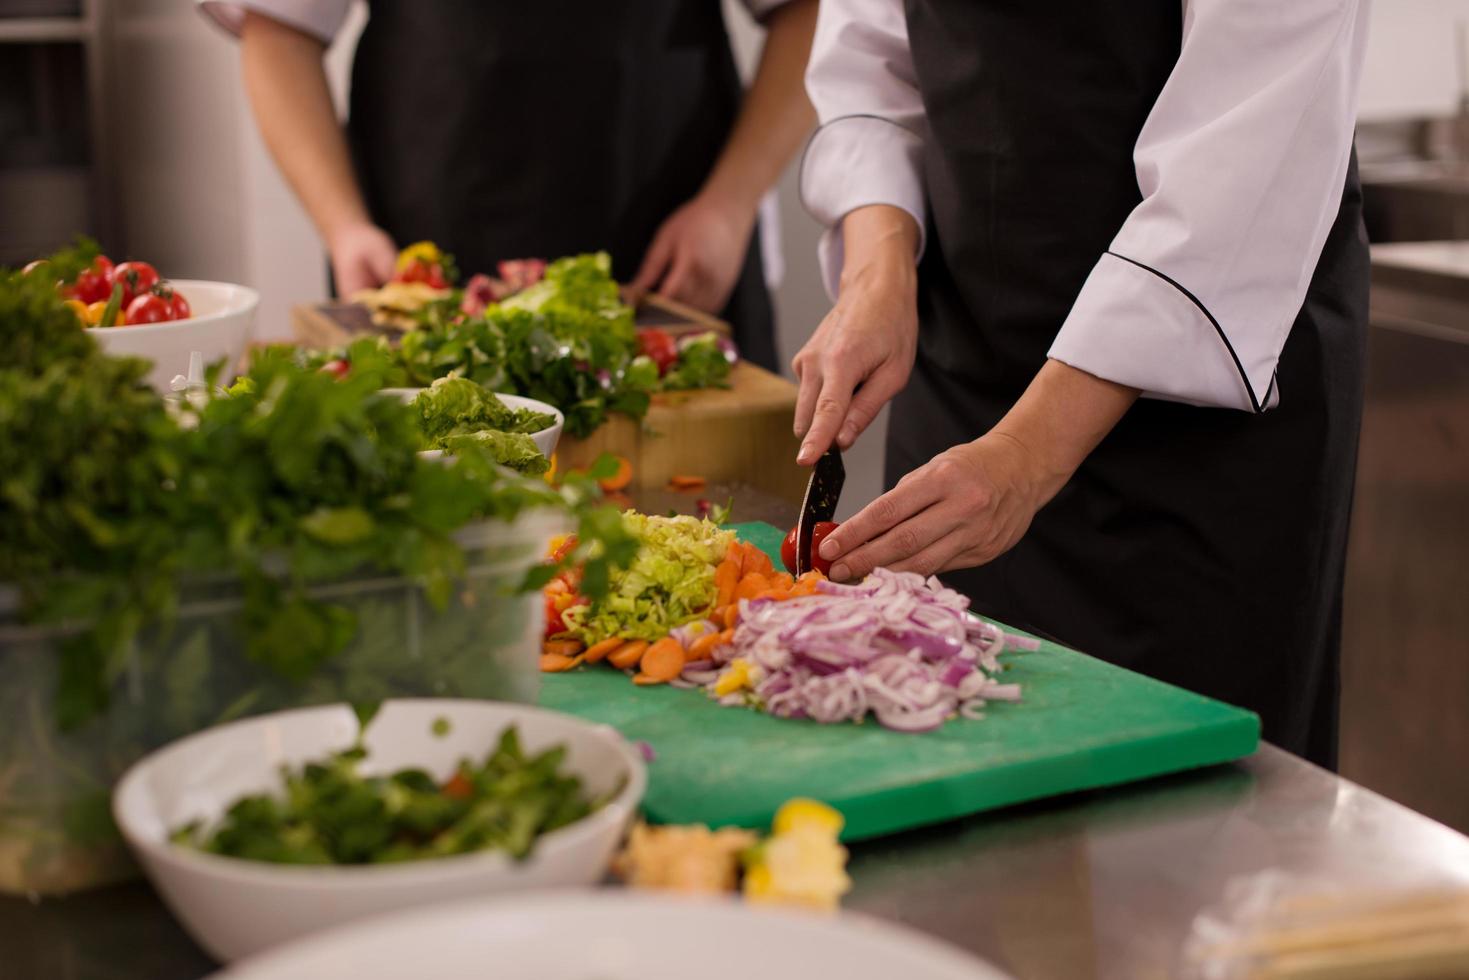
(895, 645)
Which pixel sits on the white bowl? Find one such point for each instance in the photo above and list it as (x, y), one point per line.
(222, 326)
(545, 440)
(616, 935)
(234, 907)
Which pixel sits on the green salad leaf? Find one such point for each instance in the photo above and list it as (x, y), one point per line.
(701, 364)
(456, 411)
(329, 812)
(669, 583)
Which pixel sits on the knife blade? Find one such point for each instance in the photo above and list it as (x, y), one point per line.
(820, 503)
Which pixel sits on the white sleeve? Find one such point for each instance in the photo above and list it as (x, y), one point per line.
(1241, 164)
(320, 18)
(869, 147)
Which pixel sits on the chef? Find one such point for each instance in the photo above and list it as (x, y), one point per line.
(1106, 260)
(545, 128)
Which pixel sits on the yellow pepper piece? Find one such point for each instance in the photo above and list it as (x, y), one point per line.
(804, 867)
(427, 251)
(802, 813)
(555, 544)
(737, 678)
(550, 475)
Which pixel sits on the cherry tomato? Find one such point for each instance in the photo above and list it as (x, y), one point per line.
(148, 308)
(659, 347)
(178, 307)
(91, 287)
(435, 277)
(338, 367)
(818, 534)
(136, 278)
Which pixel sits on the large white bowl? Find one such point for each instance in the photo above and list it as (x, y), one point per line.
(545, 440)
(222, 326)
(234, 907)
(615, 935)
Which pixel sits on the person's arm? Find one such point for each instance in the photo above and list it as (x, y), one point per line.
(697, 253)
(281, 56)
(862, 178)
(1242, 164)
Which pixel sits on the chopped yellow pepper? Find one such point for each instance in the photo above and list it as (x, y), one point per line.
(427, 251)
(736, 678)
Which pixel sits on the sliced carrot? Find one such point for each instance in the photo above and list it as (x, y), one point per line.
(678, 482)
(620, 479)
(555, 663)
(598, 652)
(758, 561)
(567, 648)
(731, 616)
(782, 580)
(664, 659)
(779, 595)
(627, 656)
(726, 637)
(751, 585)
(703, 646)
(726, 577)
(645, 680)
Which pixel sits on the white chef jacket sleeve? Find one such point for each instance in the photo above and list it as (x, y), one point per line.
(1242, 164)
(869, 146)
(321, 19)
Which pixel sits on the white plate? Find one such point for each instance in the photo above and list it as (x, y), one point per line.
(235, 907)
(616, 935)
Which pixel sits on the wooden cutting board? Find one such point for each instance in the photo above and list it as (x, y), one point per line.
(1082, 724)
(740, 434)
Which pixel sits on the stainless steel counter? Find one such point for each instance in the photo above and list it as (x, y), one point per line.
(1096, 885)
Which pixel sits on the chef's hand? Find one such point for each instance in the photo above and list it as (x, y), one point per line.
(363, 257)
(965, 507)
(862, 353)
(697, 254)
(972, 503)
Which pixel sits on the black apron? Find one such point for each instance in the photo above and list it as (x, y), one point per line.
(547, 128)
(1201, 546)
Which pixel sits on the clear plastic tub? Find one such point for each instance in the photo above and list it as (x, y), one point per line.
(56, 831)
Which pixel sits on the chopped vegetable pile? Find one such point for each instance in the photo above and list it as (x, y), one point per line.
(557, 332)
(330, 813)
(454, 412)
(895, 645)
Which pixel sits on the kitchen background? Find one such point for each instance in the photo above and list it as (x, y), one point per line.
(127, 118)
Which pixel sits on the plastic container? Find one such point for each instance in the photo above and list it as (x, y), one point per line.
(56, 830)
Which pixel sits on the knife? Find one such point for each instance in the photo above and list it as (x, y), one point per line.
(819, 504)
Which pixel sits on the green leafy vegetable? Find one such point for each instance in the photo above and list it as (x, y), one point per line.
(111, 501)
(701, 364)
(669, 583)
(454, 412)
(330, 813)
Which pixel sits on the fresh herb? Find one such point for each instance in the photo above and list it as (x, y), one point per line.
(701, 364)
(330, 813)
(292, 478)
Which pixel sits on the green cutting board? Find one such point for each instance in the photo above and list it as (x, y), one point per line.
(1082, 724)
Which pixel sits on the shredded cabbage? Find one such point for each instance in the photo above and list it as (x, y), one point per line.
(670, 583)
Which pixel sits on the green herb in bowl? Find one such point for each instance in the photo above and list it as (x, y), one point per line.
(330, 813)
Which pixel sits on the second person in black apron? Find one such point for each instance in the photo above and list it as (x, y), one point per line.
(1128, 367)
(509, 130)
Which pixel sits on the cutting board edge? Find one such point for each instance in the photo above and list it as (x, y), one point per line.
(1228, 739)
